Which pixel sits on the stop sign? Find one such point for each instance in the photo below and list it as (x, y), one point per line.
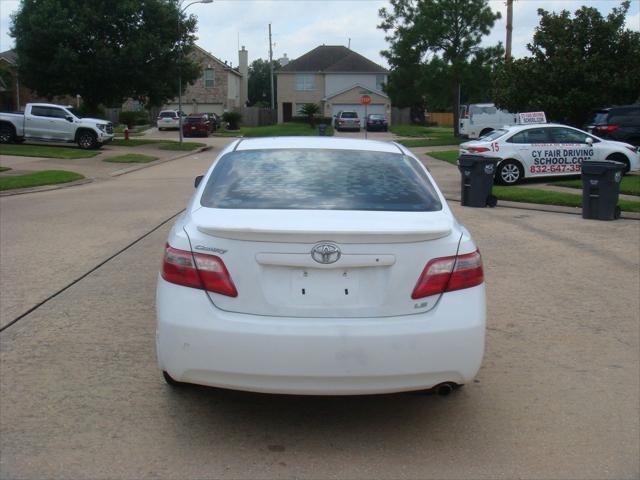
(365, 99)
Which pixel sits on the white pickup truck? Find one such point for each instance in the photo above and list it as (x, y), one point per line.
(46, 122)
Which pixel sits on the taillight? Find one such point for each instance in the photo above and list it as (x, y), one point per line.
(197, 270)
(607, 128)
(448, 274)
(466, 115)
(477, 149)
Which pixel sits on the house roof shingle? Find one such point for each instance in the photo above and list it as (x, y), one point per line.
(332, 58)
(9, 56)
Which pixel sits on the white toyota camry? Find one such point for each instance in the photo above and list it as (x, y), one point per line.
(543, 150)
(314, 265)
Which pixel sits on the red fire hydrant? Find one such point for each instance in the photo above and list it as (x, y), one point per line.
(126, 133)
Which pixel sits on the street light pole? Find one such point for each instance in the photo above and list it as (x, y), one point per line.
(182, 10)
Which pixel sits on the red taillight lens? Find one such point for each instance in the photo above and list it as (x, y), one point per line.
(466, 115)
(607, 128)
(197, 270)
(448, 274)
(478, 149)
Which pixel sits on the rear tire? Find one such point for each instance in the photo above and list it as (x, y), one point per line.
(7, 133)
(509, 172)
(619, 157)
(87, 140)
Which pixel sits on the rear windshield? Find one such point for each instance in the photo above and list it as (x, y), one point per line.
(195, 120)
(493, 135)
(349, 115)
(168, 114)
(376, 117)
(599, 118)
(311, 179)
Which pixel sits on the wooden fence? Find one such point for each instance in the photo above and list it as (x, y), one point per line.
(258, 117)
(442, 119)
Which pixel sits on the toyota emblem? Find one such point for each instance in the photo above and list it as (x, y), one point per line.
(325, 253)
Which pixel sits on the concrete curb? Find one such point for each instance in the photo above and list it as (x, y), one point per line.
(135, 168)
(45, 188)
(549, 208)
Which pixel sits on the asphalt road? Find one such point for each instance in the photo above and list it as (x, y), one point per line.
(81, 396)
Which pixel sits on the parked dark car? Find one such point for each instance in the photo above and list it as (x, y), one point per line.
(376, 121)
(616, 123)
(196, 124)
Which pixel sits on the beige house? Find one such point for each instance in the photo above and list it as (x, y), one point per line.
(335, 78)
(219, 88)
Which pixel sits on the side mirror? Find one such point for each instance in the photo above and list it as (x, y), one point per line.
(589, 141)
(69, 118)
(197, 181)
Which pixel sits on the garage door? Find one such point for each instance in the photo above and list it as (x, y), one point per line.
(202, 107)
(373, 108)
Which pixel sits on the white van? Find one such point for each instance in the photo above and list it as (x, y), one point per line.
(479, 119)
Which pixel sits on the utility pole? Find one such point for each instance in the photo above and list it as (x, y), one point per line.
(509, 28)
(273, 105)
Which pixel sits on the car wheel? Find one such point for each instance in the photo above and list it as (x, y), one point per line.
(509, 172)
(169, 379)
(7, 134)
(619, 157)
(87, 140)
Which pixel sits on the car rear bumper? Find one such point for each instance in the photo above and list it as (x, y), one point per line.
(199, 343)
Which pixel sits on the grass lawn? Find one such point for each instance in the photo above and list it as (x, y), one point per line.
(162, 144)
(629, 185)
(291, 129)
(134, 142)
(131, 158)
(426, 136)
(47, 151)
(184, 147)
(545, 197)
(449, 156)
(4, 169)
(37, 179)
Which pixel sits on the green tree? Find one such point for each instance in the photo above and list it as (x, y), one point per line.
(104, 50)
(441, 36)
(576, 65)
(310, 110)
(259, 85)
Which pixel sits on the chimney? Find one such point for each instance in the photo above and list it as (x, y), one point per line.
(243, 67)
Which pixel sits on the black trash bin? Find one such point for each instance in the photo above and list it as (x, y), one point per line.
(322, 130)
(477, 174)
(600, 189)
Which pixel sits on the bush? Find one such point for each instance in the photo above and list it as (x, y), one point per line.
(130, 118)
(232, 119)
(96, 112)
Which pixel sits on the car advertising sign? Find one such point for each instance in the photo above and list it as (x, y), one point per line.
(532, 117)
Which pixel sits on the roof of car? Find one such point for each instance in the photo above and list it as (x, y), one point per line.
(329, 143)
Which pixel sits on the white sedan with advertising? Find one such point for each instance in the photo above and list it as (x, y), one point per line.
(545, 150)
(319, 266)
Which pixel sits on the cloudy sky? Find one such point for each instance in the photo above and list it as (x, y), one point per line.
(300, 25)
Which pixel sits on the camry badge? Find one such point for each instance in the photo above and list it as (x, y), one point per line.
(325, 253)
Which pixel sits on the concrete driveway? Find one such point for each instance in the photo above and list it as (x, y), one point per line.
(81, 396)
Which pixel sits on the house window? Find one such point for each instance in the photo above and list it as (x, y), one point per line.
(305, 83)
(380, 81)
(209, 79)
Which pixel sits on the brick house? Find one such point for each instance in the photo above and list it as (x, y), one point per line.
(335, 78)
(13, 94)
(219, 87)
